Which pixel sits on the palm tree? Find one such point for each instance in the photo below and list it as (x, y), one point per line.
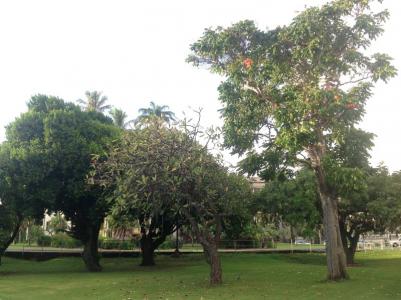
(154, 110)
(94, 102)
(119, 118)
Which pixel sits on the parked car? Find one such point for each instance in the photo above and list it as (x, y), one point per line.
(301, 241)
(395, 242)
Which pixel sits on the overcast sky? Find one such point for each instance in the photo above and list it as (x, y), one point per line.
(134, 51)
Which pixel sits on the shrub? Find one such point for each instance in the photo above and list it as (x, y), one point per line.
(238, 244)
(169, 243)
(44, 241)
(117, 244)
(62, 240)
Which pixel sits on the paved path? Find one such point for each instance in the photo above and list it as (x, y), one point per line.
(49, 253)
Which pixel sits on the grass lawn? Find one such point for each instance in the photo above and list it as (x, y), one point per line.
(246, 276)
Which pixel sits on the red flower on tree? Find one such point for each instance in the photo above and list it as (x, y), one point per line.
(248, 62)
(352, 106)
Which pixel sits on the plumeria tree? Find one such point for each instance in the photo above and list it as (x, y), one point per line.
(163, 177)
(141, 168)
(290, 94)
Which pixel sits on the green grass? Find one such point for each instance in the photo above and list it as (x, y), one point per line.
(246, 276)
(287, 246)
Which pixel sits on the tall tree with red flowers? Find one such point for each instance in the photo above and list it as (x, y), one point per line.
(306, 87)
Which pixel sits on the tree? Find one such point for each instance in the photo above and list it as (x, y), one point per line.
(120, 118)
(22, 196)
(293, 201)
(121, 227)
(94, 102)
(140, 167)
(164, 178)
(209, 195)
(294, 91)
(214, 196)
(57, 224)
(67, 138)
(349, 172)
(154, 110)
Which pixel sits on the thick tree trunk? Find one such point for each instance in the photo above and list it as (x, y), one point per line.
(335, 256)
(336, 261)
(148, 250)
(213, 259)
(90, 254)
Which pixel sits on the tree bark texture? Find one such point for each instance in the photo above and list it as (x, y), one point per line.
(148, 251)
(210, 247)
(335, 256)
(350, 243)
(7, 243)
(213, 259)
(90, 254)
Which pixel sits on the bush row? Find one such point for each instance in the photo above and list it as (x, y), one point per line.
(59, 240)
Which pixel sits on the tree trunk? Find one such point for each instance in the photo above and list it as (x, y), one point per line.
(292, 235)
(350, 242)
(7, 243)
(213, 259)
(336, 261)
(335, 256)
(148, 250)
(350, 253)
(90, 254)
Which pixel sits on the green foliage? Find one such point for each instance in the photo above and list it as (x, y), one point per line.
(94, 102)
(143, 168)
(35, 233)
(384, 199)
(8, 226)
(44, 241)
(119, 118)
(294, 201)
(118, 244)
(57, 224)
(156, 111)
(57, 141)
(288, 91)
(63, 240)
(296, 91)
(170, 243)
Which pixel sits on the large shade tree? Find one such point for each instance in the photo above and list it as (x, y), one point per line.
(24, 192)
(294, 91)
(67, 138)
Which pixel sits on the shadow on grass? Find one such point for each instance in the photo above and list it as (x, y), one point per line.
(15, 267)
(305, 259)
